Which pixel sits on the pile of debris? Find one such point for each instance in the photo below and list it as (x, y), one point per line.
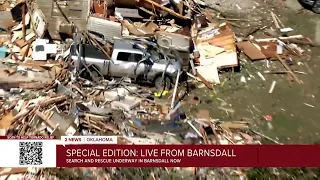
(46, 31)
(56, 55)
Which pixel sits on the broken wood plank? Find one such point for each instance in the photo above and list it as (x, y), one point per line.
(180, 7)
(26, 52)
(302, 42)
(97, 43)
(147, 11)
(204, 81)
(308, 67)
(195, 129)
(279, 21)
(264, 136)
(288, 69)
(164, 8)
(194, 72)
(53, 100)
(24, 22)
(281, 38)
(275, 21)
(44, 118)
(254, 30)
(194, 77)
(209, 17)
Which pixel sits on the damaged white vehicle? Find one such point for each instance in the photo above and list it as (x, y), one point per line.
(129, 59)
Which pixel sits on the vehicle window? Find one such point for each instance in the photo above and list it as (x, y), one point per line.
(123, 56)
(137, 57)
(92, 52)
(155, 55)
(130, 57)
(39, 48)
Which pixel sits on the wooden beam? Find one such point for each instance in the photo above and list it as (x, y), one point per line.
(180, 7)
(204, 81)
(288, 69)
(97, 44)
(26, 52)
(24, 22)
(147, 11)
(170, 11)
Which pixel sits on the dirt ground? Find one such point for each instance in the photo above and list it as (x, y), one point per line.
(294, 107)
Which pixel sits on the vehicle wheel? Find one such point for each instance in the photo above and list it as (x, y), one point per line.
(86, 74)
(95, 74)
(160, 85)
(316, 10)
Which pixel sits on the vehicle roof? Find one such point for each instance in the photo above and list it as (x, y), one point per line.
(125, 46)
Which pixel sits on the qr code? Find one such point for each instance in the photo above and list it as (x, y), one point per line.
(30, 153)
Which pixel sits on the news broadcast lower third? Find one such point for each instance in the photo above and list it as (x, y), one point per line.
(108, 152)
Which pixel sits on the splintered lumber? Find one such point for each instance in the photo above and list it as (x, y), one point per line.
(275, 21)
(170, 11)
(281, 38)
(53, 100)
(204, 81)
(288, 69)
(264, 136)
(24, 23)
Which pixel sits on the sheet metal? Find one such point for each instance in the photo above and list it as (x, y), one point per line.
(108, 29)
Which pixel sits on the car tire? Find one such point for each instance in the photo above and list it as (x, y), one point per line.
(94, 73)
(316, 10)
(159, 85)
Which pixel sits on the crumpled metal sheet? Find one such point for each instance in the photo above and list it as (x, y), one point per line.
(108, 29)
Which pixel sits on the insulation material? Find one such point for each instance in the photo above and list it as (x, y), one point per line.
(209, 72)
(224, 38)
(208, 51)
(225, 59)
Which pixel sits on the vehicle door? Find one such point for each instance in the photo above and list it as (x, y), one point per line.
(93, 55)
(125, 64)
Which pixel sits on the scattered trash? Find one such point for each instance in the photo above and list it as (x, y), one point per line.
(243, 79)
(269, 125)
(309, 105)
(268, 118)
(261, 76)
(272, 86)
